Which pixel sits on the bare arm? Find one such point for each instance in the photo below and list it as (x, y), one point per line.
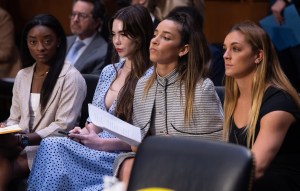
(89, 137)
(273, 128)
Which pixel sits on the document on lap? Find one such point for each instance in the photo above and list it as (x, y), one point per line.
(10, 129)
(121, 129)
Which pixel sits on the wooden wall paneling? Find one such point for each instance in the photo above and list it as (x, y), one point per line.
(24, 10)
(220, 15)
(60, 9)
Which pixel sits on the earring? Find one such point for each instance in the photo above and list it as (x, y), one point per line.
(257, 61)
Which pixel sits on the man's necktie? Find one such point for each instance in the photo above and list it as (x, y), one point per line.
(74, 51)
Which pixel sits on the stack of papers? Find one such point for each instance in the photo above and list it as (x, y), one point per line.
(121, 129)
(10, 129)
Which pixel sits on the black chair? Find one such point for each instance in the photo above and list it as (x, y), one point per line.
(5, 98)
(217, 66)
(91, 81)
(221, 93)
(182, 164)
(18, 185)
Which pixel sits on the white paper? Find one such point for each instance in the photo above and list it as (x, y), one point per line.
(10, 129)
(121, 129)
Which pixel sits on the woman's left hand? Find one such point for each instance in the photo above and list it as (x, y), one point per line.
(90, 139)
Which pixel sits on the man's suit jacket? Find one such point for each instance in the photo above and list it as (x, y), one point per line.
(92, 60)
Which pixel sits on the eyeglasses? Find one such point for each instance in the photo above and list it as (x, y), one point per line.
(80, 16)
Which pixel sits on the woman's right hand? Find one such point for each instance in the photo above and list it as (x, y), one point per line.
(277, 9)
(2, 125)
(77, 130)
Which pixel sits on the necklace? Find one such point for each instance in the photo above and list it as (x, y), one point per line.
(35, 75)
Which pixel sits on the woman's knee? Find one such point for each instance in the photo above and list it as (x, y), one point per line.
(125, 169)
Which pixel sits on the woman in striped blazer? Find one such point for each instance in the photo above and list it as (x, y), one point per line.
(177, 99)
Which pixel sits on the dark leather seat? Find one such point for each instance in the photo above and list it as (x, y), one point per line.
(187, 164)
(91, 81)
(5, 98)
(221, 93)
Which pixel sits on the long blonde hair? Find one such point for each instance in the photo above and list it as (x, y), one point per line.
(268, 72)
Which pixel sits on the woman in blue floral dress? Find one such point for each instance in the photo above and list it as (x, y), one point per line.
(66, 164)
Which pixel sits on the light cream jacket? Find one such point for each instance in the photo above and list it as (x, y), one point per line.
(62, 110)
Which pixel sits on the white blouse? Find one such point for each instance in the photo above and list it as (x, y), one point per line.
(34, 103)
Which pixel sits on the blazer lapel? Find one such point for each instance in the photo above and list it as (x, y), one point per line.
(54, 93)
(27, 91)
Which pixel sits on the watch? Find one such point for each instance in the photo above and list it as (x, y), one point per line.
(24, 141)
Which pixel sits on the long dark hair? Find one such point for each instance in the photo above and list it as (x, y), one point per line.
(193, 66)
(58, 59)
(137, 25)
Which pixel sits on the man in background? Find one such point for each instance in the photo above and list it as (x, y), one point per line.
(9, 54)
(289, 58)
(87, 48)
(9, 62)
